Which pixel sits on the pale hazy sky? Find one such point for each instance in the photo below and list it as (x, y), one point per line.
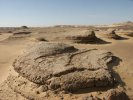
(53, 12)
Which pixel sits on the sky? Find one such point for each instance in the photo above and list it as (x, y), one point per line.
(64, 12)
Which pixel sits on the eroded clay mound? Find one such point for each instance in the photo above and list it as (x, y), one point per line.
(22, 33)
(85, 37)
(19, 35)
(63, 67)
(110, 34)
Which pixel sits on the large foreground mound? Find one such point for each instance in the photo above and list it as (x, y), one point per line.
(62, 67)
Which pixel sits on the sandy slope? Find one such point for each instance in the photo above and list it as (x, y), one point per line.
(9, 50)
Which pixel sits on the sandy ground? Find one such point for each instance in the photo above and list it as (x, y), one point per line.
(7, 55)
(9, 50)
(121, 48)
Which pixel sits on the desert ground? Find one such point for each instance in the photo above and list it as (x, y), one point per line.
(117, 39)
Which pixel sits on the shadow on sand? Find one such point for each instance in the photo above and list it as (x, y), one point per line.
(97, 41)
(122, 38)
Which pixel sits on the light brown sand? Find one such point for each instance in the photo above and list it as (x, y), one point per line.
(9, 50)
